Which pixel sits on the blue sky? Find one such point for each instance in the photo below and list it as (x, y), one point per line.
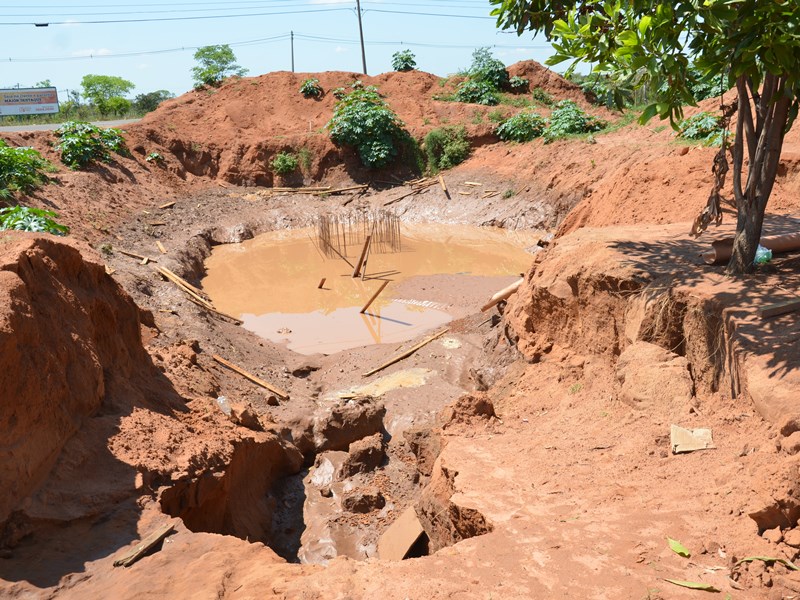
(326, 35)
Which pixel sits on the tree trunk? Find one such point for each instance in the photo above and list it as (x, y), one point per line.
(762, 134)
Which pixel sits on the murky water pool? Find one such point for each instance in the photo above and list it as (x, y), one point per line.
(272, 283)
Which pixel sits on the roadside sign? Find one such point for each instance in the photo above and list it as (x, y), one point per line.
(28, 101)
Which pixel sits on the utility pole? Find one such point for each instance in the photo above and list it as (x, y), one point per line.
(291, 38)
(361, 35)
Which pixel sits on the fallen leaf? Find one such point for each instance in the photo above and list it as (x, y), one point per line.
(769, 560)
(694, 585)
(678, 548)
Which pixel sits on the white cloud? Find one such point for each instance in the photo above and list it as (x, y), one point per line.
(340, 49)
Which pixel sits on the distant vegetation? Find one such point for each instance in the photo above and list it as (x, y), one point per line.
(568, 118)
(214, 65)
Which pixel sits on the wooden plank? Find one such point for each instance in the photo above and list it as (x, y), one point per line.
(145, 546)
(407, 353)
(157, 224)
(167, 205)
(181, 281)
(251, 377)
(362, 257)
(161, 248)
(502, 295)
(321, 283)
(779, 308)
(374, 296)
(138, 257)
(472, 183)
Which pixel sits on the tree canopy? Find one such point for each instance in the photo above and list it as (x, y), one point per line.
(215, 63)
(106, 91)
(754, 44)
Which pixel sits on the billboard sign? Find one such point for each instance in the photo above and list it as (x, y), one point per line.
(28, 101)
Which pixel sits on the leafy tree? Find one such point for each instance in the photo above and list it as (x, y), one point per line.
(751, 42)
(149, 102)
(404, 60)
(485, 68)
(215, 63)
(44, 83)
(100, 89)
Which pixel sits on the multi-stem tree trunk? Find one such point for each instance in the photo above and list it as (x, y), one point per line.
(761, 126)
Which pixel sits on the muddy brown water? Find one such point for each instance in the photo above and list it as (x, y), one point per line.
(271, 283)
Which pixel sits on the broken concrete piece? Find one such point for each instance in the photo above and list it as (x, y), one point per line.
(401, 536)
(689, 440)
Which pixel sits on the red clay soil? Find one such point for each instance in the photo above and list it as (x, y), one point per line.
(537, 453)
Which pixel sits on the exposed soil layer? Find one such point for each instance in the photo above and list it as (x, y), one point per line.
(533, 445)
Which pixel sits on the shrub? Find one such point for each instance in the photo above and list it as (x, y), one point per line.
(518, 85)
(339, 93)
(496, 116)
(363, 120)
(487, 69)
(522, 127)
(304, 157)
(311, 88)
(25, 218)
(21, 170)
(567, 118)
(404, 60)
(542, 97)
(476, 92)
(83, 144)
(284, 163)
(702, 127)
(446, 147)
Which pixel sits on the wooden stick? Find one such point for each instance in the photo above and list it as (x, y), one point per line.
(157, 224)
(161, 248)
(465, 193)
(374, 296)
(210, 308)
(341, 190)
(442, 183)
(251, 377)
(167, 205)
(407, 353)
(473, 183)
(779, 308)
(304, 190)
(321, 283)
(339, 253)
(360, 261)
(138, 257)
(144, 546)
(180, 281)
(502, 295)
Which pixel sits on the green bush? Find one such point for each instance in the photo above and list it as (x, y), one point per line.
(21, 170)
(518, 85)
(311, 88)
(363, 120)
(25, 218)
(522, 127)
(83, 144)
(476, 92)
(339, 93)
(496, 116)
(541, 96)
(284, 163)
(404, 60)
(487, 69)
(446, 147)
(702, 127)
(567, 118)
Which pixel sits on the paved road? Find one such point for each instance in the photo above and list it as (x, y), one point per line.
(52, 126)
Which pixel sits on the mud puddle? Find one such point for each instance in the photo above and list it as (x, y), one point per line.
(272, 283)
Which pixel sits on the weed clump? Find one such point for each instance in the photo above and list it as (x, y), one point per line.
(522, 127)
(284, 163)
(567, 118)
(21, 170)
(446, 147)
(363, 120)
(311, 88)
(83, 144)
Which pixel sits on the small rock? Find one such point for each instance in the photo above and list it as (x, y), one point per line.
(272, 401)
(363, 456)
(363, 500)
(773, 535)
(246, 416)
(791, 444)
(325, 492)
(792, 538)
(790, 425)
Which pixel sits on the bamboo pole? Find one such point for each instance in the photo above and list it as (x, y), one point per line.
(502, 295)
(374, 296)
(407, 353)
(258, 381)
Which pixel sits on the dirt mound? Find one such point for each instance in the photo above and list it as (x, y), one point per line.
(70, 345)
(551, 82)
